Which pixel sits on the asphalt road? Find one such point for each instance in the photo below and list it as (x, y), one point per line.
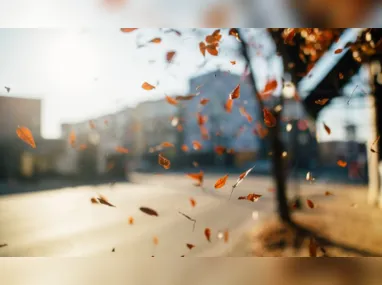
(63, 222)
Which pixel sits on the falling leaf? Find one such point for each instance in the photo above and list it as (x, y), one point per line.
(128, 30)
(219, 149)
(131, 221)
(170, 55)
(204, 101)
(310, 203)
(196, 145)
(235, 94)
(321, 102)
(156, 40)
(171, 101)
(260, 130)
(72, 138)
(202, 48)
(204, 133)
(226, 236)
(269, 119)
(250, 197)
(185, 98)
(228, 105)
(201, 119)
(155, 240)
(212, 49)
(312, 247)
(147, 86)
(193, 202)
(374, 143)
(91, 124)
(3, 245)
(189, 218)
(184, 148)
(207, 234)
(244, 113)
(121, 149)
(342, 163)
(103, 200)
(149, 211)
(235, 33)
(327, 193)
(7, 88)
(270, 87)
(327, 129)
(26, 135)
(190, 246)
(94, 200)
(221, 182)
(233, 62)
(197, 176)
(113, 250)
(240, 179)
(167, 144)
(337, 51)
(214, 37)
(164, 161)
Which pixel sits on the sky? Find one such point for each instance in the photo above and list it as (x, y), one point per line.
(84, 73)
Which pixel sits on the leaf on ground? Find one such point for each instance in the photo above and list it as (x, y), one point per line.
(147, 86)
(207, 234)
(327, 129)
(149, 211)
(26, 135)
(310, 203)
(250, 197)
(221, 182)
(164, 161)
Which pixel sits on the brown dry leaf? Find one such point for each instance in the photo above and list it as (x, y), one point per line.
(103, 200)
(228, 105)
(327, 193)
(235, 94)
(197, 176)
(235, 33)
(72, 138)
(3, 245)
(94, 200)
(221, 182)
(327, 129)
(337, 51)
(147, 86)
(121, 149)
(171, 101)
(155, 240)
(212, 49)
(342, 163)
(164, 161)
(193, 202)
(310, 203)
(156, 40)
(196, 145)
(269, 119)
(128, 30)
(149, 211)
(184, 148)
(190, 246)
(26, 135)
(91, 124)
(131, 221)
(202, 48)
(226, 236)
(312, 247)
(207, 234)
(204, 101)
(170, 55)
(321, 102)
(185, 98)
(233, 62)
(219, 149)
(167, 144)
(270, 87)
(201, 119)
(250, 197)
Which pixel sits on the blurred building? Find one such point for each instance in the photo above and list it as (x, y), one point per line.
(17, 159)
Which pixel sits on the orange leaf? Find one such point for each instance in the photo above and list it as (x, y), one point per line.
(310, 203)
(228, 105)
(327, 193)
(184, 98)
(241, 177)
(149, 211)
(202, 48)
(212, 49)
(171, 101)
(204, 132)
(147, 86)
(184, 148)
(204, 101)
(201, 119)
(342, 163)
(91, 124)
(214, 37)
(170, 55)
(72, 138)
(155, 240)
(163, 161)
(156, 40)
(244, 113)
(220, 149)
(233, 62)
(221, 182)
(337, 51)
(131, 221)
(235, 94)
(167, 144)
(235, 33)
(190, 246)
(312, 247)
(128, 30)
(327, 129)
(197, 176)
(226, 236)
(193, 202)
(261, 131)
(26, 135)
(196, 145)
(269, 119)
(121, 149)
(270, 87)
(250, 197)
(94, 200)
(321, 102)
(207, 234)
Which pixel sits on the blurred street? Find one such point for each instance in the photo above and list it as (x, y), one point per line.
(63, 222)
